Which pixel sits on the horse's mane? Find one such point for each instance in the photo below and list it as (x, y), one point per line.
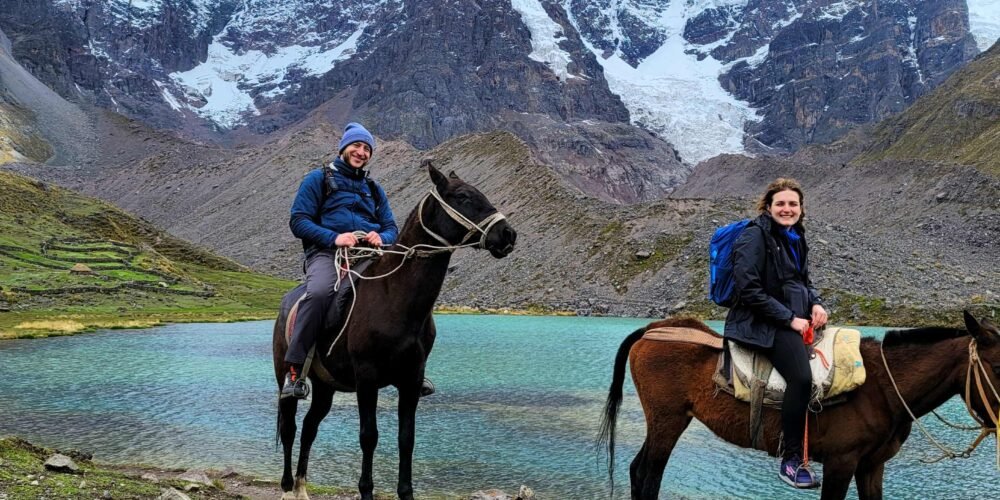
(928, 335)
(682, 322)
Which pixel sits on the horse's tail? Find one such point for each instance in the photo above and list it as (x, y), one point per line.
(606, 438)
(277, 429)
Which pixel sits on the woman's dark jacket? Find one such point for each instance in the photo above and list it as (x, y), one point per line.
(771, 290)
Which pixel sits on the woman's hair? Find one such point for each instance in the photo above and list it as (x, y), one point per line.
(781, 184)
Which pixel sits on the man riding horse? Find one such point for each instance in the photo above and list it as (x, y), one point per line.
(335, 204)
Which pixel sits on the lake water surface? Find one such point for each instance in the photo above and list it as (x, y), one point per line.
(519, 400)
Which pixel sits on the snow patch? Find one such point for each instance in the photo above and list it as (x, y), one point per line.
(545, 37)
(754, 60)
(679, 97)
(984, 22)
(96, 50)
(167, 97)
(837, 11)
(226, 79)
(795, 15)
(911, 49)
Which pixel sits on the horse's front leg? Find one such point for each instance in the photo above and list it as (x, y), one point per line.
(409, 396)
(320, 407)
(286, 430)
(367, 405)
(837, 474)
(869, 481)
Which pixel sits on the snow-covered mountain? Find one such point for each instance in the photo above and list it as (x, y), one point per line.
(788, 72)
(568, 76)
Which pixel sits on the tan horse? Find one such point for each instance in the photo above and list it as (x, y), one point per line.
(851, 440)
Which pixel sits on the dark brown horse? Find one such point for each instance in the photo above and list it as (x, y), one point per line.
(391, 331)
(852, 440)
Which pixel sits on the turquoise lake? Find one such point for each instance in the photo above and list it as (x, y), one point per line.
(518, 402)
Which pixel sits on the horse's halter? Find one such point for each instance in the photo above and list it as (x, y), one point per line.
(484, 226)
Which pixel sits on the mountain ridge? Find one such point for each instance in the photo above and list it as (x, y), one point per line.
(704, 77)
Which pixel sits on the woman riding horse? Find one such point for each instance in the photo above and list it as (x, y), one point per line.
(910, 373)
(776, 296)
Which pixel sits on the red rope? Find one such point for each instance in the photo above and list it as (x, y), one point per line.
(808, 336)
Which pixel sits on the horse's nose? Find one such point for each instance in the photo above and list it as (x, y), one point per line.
(509, 235)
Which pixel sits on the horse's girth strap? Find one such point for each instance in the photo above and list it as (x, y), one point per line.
(685, 335)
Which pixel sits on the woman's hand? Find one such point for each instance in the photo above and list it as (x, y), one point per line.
(346, 240)
(819, 316)
(373, 239)
(799, 325)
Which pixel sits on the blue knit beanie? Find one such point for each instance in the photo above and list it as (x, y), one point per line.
(355, 132)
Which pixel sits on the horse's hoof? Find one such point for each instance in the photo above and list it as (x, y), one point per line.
(288, 495)
(300, 489)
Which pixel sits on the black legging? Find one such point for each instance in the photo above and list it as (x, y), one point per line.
(789, 357)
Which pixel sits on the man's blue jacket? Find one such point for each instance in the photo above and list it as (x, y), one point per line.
(352, 207)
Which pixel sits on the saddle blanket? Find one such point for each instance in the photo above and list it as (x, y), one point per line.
(686, 335)
(836, 364)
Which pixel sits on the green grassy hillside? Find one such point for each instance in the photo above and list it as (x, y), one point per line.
(959, 122)
(68, 262)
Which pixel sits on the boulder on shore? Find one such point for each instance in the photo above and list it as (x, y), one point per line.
(61, 463)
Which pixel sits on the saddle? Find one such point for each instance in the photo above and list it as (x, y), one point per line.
(835, 361)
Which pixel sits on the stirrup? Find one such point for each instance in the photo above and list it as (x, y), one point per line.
(427, 388)
(793, 479)
(297, 389)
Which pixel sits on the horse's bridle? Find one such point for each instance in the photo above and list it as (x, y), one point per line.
(484, 226)
(975, 371)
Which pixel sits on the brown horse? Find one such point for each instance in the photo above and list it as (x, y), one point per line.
(852, 440)
(391, 331)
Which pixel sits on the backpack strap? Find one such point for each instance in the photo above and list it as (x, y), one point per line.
(330, 186)
(329, 183)
(376, 196)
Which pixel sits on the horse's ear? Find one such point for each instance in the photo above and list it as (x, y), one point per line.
(984, 331)
(453, 175)
(436, 176)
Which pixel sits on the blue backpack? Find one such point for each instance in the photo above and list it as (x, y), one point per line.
(721, 284)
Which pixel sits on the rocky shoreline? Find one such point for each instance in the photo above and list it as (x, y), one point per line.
(30, 472)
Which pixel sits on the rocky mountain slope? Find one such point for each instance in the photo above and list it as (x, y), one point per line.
(958, 123)
(891, 232)
(582, 83)
(885, 239)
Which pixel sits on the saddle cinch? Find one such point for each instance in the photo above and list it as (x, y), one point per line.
(836, 365)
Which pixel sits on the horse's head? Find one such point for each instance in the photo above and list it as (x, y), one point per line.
(987, 383)
(463, 215)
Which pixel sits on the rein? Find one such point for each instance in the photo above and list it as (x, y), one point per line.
(975, 370)
(345, 255)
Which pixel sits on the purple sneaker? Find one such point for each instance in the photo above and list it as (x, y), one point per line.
(797, 474)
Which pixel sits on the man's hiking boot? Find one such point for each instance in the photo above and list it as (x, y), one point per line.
(294, 386)
(797, 474)
(427, 388)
